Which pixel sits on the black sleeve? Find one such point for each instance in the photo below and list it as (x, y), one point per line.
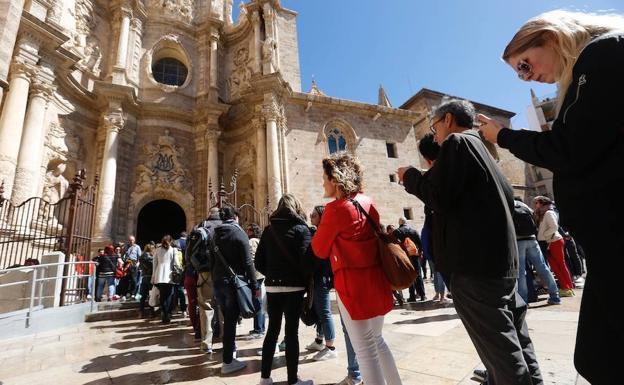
(398, 234)
(415, 237)
(440, 187)
(587, 129)
(261, 254)
(304, 256)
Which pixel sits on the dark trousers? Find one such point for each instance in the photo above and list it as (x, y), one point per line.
(226, 297)
(600, 329)
(166, 300)
(494, 316)
(146, 286)
(179, 298)
(190, 285)
(287, 305)
(418, 286)
(259, 320)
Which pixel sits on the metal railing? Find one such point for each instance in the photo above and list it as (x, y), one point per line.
(41, 281)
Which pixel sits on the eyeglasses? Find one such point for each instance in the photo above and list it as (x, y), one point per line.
(432, 126)
(524, 69)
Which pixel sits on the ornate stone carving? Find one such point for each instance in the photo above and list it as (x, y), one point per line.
(42, 88)
(55, 188)
(178, 9)
(162, 169)
(92, 60)
(55, 141)
(55, 12)
(241, 75)
(269, 56)
(22, 69)
(114, 120)
(272, 109)
(85, 16)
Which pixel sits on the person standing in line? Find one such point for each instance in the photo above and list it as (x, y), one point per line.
(132, 253)
(323, 283)
(179, 298)
(254, 233)
(529, 251)
(146, 265)
(107, 264)
(233, 244)
(548, 235)
(164, 257)
(463, 187)
(348, 240)
(283, 258)
(429, 150)
(404, 232)
(584, 54)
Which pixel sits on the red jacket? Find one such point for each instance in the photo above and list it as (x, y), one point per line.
(350, 243)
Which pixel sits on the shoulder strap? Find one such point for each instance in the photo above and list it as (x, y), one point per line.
(214, 248)
(370, 221)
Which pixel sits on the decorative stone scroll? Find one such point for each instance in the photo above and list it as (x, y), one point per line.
(177, 9)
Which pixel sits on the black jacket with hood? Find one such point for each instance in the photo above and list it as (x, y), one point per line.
(291, 264)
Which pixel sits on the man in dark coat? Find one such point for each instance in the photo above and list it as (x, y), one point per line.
(470, 198)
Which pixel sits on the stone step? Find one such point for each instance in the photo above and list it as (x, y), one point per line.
(109, 311)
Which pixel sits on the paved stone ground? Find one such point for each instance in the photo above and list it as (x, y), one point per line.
(430, 345)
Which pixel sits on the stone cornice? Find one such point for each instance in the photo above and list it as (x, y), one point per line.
(303, 99)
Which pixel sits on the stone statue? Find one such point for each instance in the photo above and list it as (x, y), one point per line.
(92, 56)
(55, 187)
(269, 55)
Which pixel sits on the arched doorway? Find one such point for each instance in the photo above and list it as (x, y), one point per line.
(158, 218)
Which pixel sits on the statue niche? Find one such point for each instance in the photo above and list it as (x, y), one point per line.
(241, 75)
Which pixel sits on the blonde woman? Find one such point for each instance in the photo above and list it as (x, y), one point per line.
(364, 294)
(584, 55)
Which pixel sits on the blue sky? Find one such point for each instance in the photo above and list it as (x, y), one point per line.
(452, 46)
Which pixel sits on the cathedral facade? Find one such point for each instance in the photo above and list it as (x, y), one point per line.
(164, 98)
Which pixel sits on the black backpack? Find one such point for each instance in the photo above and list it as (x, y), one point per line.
(198, 248)
(523, 220)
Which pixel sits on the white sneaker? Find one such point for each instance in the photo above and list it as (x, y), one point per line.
(315, 346)
(325, 354)
(265, 381)
(350, 381)
(89, 296)
(302, 382)
(233, 366)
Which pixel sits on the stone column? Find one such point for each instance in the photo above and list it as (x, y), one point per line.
(12, 120)
(271, 115)
(124, 32)
(214, 46)
(10, 16)
(112, 122)
(261, 164)
(256, 43)
(28, 172)
(212, 149)
(284, 152)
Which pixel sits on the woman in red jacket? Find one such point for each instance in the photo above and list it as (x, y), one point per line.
(364, 294)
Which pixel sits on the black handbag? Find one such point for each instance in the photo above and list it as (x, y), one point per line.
(308, 314)
(244, 294)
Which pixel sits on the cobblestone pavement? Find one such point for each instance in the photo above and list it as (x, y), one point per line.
(430, 345)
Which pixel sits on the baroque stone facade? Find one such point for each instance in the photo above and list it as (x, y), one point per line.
(164, 98)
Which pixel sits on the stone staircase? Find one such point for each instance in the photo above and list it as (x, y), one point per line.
(116, 310)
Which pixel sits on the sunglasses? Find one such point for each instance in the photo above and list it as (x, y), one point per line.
(524, 69)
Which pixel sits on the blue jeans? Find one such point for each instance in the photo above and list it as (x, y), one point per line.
(110, 281)
(322, 307)
(529, 248)
(259, 321)
(226, 297)
(353, 367)
(438, 282)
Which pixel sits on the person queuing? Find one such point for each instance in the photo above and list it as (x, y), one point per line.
(463, 186)
(232, 242)
(584, 55)
(548, 235)
(323, 283)
(164, 258)
(107, 264)
(429, 150)
(364, 295)
(282, 256)
(146, 266)
(410, 239)
(259, 326)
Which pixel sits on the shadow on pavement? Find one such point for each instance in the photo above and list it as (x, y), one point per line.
(424, 320)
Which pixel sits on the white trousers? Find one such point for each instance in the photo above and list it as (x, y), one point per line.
(375, 358)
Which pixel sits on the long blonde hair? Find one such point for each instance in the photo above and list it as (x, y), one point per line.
(568, 32)
(291, 203)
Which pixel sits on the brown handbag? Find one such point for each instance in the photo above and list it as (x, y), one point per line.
(394, 261)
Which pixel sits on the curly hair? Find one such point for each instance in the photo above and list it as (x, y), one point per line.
(347, 171)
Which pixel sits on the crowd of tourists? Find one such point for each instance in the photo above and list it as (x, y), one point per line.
(286, 271)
